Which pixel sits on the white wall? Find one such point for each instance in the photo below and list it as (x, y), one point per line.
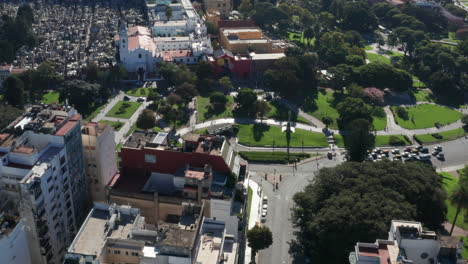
(14, 247)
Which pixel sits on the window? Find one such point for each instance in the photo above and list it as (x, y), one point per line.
(123, 40)
(135, 254)
(62, 160)
(126, 253)
(117, 252)
(150, 158)
(139, 56)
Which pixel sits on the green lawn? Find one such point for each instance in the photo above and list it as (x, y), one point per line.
(422, 95)
(116, 125)
(381, 140)
(139, 92)
(372, 57)
(205, 110)
(442, 136)
(280, 112)
(323, 107)
(123, 109)
(272, 157)
(380, 123)
(465, 247)
(450, 182)
(367, 47)
(51, 97)
(426, 115)
(264, 135)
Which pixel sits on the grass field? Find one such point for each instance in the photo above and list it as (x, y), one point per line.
(372, 57)
(116, 125)
(323, 107)
(426, 115)
(264, 135)
(123, 109)
(205, 110)
(450, 182)
(380, 141)
(367, 47)
(139, 92)
(444, 136)
(94, 112)
(422, 95)
(51, 97)
(272, 157)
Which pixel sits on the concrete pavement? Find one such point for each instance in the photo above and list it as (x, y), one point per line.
(254, 216)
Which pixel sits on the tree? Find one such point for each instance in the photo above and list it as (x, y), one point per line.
(7, 53)
(259, 237)
(465, 121)
(358, 16)
(8, 114)
(351, 109)
(374, 95)
(246, 99)
(91, 72)
(204, 70)
(357, 201)
(78, 93)
(168, 12)
(174, 99)
(359, 140)
(459, 196)
(327, 121)
(14, 91)
(218, 100)
(186, 91)
(262, 108)
(226, 83)
(379, 39)
(382, 76)
(45, 77)
(146, 120)
(245, 8)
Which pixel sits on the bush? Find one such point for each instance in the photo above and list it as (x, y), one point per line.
(465, 120)
(396, 141)
(402, 113)
(373, 95)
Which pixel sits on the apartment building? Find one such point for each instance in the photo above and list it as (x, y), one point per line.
(99, 157)
(14, 247)
(42, 172)
(245, 40)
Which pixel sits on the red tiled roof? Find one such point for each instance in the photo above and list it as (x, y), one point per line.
(114, 179)
(171, 54)
(194, 174)
(76, 117)
(65, 128)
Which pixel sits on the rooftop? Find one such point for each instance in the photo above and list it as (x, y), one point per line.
(93, 128)
(103, 222)
(141, 138)
(7, 224)
(383, 250)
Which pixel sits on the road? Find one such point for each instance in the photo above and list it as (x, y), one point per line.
(293, 181)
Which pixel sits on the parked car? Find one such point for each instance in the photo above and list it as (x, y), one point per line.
(438, 148)
(395, 151)
(424, 157)
(405, 154)
(386, 152)
(265, 199)
(140, 99)
(126, 98)
(419, 147)
(424, 150)
(408, 149)
(415, 151)
(397, 157)
(329, 155)
(265, 206)
(434, 153)
(441, 156)
(264, 212)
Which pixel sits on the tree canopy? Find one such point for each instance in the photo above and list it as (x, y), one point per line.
(259, 237)
(78, 93)
(355, 202)
(14, 91)
(8, 114)
(146, 120)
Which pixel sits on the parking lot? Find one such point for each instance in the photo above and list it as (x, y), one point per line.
(419, 153)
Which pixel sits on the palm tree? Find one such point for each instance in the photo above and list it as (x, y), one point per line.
(460, 196)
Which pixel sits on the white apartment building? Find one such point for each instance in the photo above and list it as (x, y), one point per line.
(14, 247)
(42, 171)
(99, 157)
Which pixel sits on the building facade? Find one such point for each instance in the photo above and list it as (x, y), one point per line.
(42, 170)
(99, 156)
(14, 247)
(224, 7)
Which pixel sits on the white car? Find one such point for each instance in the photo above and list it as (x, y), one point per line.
(265, 199)
(438, 148)
(264, 212)
(395, 151)
(265, 206)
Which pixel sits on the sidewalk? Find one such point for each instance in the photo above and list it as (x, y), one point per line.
(254, 212)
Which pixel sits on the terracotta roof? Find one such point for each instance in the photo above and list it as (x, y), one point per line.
(65, 128)
(143, 42)
(24, 150)
(236, 23)
(194, 174)
(138, 31)
(171, 54)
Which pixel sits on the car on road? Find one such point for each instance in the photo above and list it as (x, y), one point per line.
(397, 157)
(329, 155)
(424, 150)
(265, 199)
(405, 155)
(441, 156)
(140, 99)
(408, 149)
(126, 98)
(438, 148)
(435, 152)
(395, 151)
(265, 207)
(415, 151)
(424, 157)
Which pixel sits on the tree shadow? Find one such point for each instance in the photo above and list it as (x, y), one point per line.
(215, 110)
(282, 112)
(259, 131)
